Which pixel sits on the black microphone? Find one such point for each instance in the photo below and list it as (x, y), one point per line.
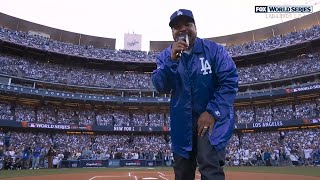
(184, 37)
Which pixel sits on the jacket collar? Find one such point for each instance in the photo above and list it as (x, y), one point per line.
(197, 48)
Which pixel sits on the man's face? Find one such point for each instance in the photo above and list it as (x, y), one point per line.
(184, 25)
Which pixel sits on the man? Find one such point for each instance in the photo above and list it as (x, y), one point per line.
(26, 157)
(51, 153)
(36, 156)
(203, 82)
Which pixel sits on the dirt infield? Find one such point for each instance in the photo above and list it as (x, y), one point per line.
(159, 175)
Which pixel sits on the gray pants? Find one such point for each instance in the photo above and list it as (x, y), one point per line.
(35, 162)
(210, 162)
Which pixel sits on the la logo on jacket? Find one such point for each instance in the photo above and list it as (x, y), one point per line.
(205, 66)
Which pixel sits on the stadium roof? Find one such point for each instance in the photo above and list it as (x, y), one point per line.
(17, 24)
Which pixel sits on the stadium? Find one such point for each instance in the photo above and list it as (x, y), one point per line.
(95, 114)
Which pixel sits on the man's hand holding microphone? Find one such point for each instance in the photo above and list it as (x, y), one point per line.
(181, 44)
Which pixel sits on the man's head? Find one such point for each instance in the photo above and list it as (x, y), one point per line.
(182, 21)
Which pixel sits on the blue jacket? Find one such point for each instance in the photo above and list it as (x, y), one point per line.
(205, 80)
(36, 151)
(26, 153)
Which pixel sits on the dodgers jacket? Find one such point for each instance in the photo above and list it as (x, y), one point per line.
(205, 80)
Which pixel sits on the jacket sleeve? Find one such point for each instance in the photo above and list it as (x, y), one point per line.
(163, 77)
(224, 95)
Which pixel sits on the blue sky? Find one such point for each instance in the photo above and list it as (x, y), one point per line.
(149, 18)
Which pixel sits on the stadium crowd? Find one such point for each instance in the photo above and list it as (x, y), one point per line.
(73, 75)
(51, 114)
(278, 112)
(21, 147)
(43, 150)
(47, 44)
(275, 42)
(274, 148)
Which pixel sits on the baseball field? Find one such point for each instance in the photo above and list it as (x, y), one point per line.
(232, 173)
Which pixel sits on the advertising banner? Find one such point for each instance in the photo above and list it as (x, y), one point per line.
(132, 162)
(88, 163)
(114, 163)
(150, 163)
(26, 124)
(284, 123)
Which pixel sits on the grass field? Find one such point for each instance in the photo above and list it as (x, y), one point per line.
(307, 171)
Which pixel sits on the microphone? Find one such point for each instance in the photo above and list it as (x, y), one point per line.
(184, 37)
